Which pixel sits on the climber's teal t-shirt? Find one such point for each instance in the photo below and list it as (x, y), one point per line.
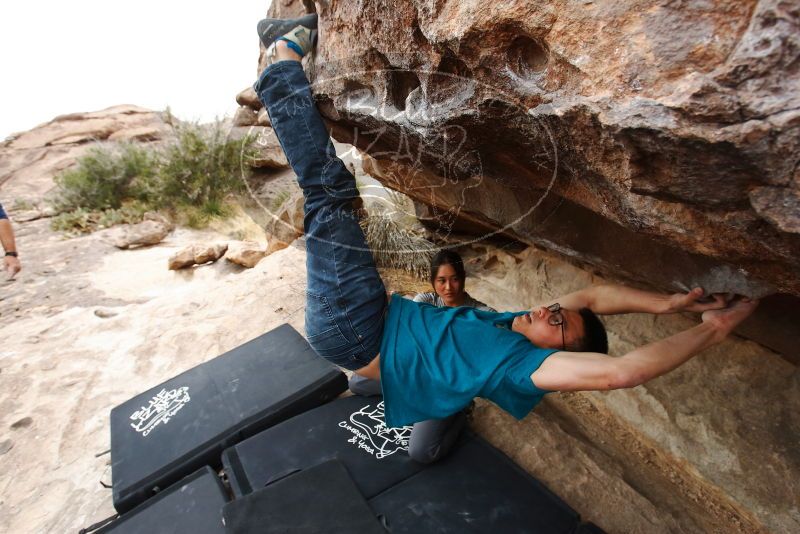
(434, 361)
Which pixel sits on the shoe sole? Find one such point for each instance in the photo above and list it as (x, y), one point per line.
(271, 29)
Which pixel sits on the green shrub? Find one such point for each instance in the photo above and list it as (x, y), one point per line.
(192, 217)
(201, 167)
(129, 213)
(201, 216)
(190, 176)
(78, 221)
(83, 221)
(103, 177)
(22, 205)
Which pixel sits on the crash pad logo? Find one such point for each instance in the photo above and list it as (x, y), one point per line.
(371, 434)
(161, 408)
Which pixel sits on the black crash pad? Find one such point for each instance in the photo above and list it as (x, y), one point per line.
(348, 429)
(184, 423)
(193, 505)
(589, 528)
(477, 489)
(322, 498)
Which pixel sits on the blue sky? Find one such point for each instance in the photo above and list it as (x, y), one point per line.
(62, 57)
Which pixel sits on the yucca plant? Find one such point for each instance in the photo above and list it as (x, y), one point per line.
(395, 243)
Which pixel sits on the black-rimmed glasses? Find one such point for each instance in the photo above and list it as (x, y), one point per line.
(557, 319)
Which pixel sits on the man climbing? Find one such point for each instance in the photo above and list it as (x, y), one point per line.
(433, 361)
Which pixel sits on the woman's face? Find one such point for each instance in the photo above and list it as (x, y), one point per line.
(448, 285)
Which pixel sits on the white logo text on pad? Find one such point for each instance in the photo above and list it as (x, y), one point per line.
(371, 434)
(161, 408)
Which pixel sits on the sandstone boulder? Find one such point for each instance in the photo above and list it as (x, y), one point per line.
(245, 253)
(263, 118)
(269, 152)
(661, 142)
(196, 254)
(181, 259)
(286, 223)
(145, 233)
(249, 98)
(159, 218)
(206, 253)
(245, 116)
(154, 132)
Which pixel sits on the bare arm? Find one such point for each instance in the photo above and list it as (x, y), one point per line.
(616, 299)
(12, 264)
(586, 371)
(7, 236)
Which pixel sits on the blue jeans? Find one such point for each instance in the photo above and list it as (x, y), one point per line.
(345, 297)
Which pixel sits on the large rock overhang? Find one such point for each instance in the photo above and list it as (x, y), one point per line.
(657, 145)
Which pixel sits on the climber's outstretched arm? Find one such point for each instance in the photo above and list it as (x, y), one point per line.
(616, 299)
(585, 371)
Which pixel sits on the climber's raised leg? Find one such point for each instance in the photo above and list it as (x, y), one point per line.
(346, 298)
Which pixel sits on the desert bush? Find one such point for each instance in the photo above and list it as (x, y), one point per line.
(201, 167)
(79, 220)
(21, 204)
(129, 213)
(191, 177)
(103, 177)
(82, 220)
(201, 216)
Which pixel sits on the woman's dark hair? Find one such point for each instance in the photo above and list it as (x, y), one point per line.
(594, 337)
(447, 257)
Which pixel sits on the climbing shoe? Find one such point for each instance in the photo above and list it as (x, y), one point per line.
(300, 33)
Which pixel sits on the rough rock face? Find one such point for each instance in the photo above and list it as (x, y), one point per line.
(263, 118)
(680, 123)
(706, 448)
(117, 123)
(247, 97)
(650, 140)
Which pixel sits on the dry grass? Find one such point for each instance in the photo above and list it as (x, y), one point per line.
(395, 245)
(400, 281)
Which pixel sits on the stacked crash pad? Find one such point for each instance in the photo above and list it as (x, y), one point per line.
(179, 426)
(295, 462)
